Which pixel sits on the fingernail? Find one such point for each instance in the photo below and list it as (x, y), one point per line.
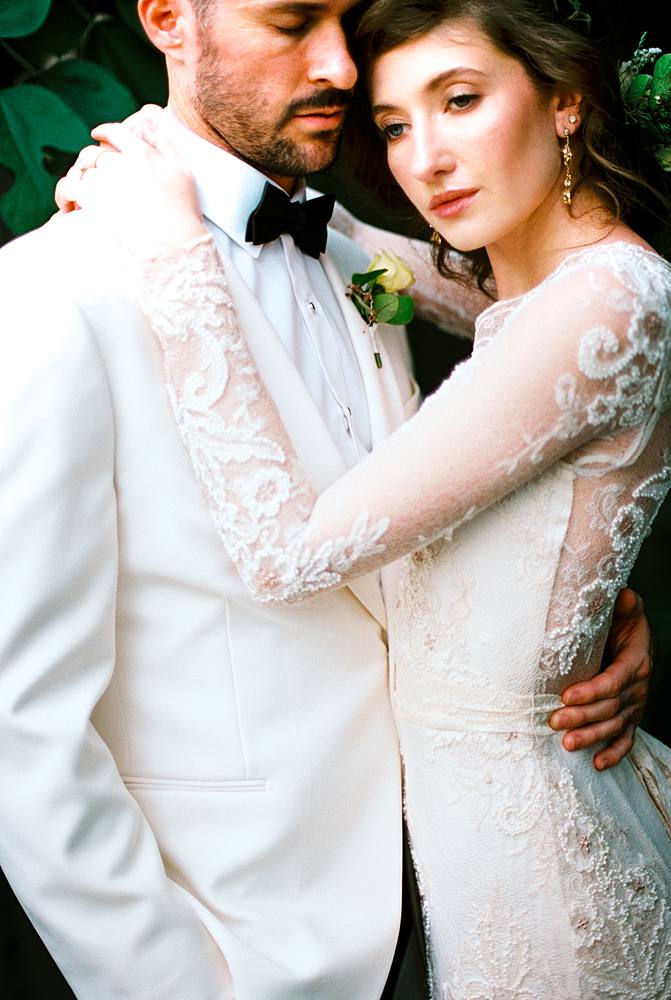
(557, 721)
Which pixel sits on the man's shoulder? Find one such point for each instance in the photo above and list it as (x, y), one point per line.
(66, 259)
(60, 231)
(69, 291)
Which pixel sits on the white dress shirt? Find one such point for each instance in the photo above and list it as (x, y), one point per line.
(290, 286)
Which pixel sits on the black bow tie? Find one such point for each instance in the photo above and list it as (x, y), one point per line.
(306, 221)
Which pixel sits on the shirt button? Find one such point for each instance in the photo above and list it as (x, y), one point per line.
(346, 415)
(312, 307)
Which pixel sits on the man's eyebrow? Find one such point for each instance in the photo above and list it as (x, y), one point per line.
(292, 7)
(435, 83)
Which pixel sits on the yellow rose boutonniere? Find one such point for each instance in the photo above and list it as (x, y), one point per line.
(375, 294)
(397, 273)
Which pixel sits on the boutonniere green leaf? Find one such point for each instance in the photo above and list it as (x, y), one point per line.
(375, 293)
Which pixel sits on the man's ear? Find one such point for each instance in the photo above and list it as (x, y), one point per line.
(169, 24)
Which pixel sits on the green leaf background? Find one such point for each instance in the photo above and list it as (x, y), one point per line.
(22, 17)
(65, 66)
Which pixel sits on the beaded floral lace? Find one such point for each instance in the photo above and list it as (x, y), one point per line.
(522, 491)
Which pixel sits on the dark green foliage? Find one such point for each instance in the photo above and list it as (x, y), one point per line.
(65, 66)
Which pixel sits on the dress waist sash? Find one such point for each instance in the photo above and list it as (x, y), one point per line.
(512, 714)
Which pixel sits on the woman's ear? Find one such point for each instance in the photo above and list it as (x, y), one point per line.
(568, 113)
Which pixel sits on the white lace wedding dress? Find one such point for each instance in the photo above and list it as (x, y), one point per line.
(524, 487)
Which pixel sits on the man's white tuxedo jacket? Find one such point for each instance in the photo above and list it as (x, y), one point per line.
(199, 796)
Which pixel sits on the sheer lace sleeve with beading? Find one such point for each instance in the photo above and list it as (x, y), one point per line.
(581, 359)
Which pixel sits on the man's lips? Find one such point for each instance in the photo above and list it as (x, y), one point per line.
(322, 115)
(451, 202)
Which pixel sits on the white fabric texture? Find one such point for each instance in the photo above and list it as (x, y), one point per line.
(291, 288)
(540, 878)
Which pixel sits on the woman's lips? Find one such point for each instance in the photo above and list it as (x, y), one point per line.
(451, 203)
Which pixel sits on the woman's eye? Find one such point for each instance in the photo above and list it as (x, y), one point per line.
(393, 131)
(461, 101)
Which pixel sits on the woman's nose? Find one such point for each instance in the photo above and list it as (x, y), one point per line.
(432, 154)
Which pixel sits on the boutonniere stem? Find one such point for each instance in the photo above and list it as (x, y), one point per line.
(375, 293)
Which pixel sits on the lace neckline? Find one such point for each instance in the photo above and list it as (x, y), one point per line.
(503, 307)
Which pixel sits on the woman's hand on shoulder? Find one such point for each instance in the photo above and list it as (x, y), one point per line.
(136, 186)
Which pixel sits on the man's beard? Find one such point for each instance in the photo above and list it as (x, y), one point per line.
(238, 120)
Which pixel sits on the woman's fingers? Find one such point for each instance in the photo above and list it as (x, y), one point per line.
(64, 201)
(144, 123)
(141, 193)
(119, 136)
(67, 189)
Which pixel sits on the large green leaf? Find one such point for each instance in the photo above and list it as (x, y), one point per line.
(33, 120)
(59, 36)
(661, 80)
(133, 61)
(90, 90)
(22, 17)
(638, 89)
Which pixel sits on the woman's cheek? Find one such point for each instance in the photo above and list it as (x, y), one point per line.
(398, 161)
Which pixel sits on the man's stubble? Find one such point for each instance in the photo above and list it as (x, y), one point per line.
(239, 118)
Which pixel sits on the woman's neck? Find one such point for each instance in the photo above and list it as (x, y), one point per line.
(525, 257)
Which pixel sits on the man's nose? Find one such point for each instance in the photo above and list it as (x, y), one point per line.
(330, 61)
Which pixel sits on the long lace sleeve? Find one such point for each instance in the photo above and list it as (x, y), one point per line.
(584, 358)
(449, 304)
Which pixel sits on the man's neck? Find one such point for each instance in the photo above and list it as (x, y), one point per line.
(187, 117)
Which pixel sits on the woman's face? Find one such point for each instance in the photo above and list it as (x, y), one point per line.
(469, 138)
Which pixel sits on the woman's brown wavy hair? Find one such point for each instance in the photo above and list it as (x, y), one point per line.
(556, 52)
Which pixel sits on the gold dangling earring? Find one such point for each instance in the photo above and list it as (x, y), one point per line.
(568, 177)
(567, 156)
(436, 238)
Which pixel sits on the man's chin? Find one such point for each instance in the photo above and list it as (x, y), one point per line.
(297, 155)
(320, 150)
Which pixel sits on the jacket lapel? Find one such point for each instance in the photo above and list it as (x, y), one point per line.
(382, 392)
(305, 425)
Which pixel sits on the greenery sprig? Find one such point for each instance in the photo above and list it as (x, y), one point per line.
(647, 98)
(375, 293)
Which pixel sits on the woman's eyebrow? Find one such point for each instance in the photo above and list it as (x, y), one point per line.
(436, 83)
